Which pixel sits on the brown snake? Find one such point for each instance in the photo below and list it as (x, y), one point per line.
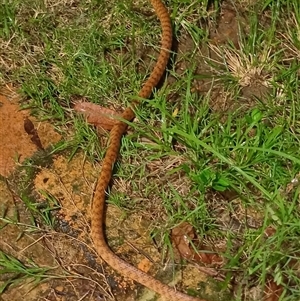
(112, 152)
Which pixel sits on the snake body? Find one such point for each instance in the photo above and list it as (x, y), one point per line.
(97, 217)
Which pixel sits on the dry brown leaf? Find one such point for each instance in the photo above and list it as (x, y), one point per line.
(31, 131)
(184, 237)
(270, 231)
(28, 126)
(97, 115)
(272, 291)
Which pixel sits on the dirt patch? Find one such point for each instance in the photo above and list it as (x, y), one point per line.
(71, 183)
(128, 234)
(16, 143)
(66, 263)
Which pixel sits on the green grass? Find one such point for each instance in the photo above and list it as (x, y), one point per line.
(20, 272)
(249, 146)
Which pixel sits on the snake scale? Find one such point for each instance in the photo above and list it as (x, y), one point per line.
(98, 206)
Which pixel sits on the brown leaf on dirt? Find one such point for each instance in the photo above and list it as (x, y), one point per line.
(272, 291)
(37, 141)
(28, 126)
(184, 238)
(31, 130)
(97, 115)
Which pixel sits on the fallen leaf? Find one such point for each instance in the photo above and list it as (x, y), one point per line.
(270, 231)
(31, 130)
(272, 291)
(184, 238)
(182, 235)
(97, 115)
(28, 126)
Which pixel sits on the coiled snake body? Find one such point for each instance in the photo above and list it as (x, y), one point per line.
(97, 218)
